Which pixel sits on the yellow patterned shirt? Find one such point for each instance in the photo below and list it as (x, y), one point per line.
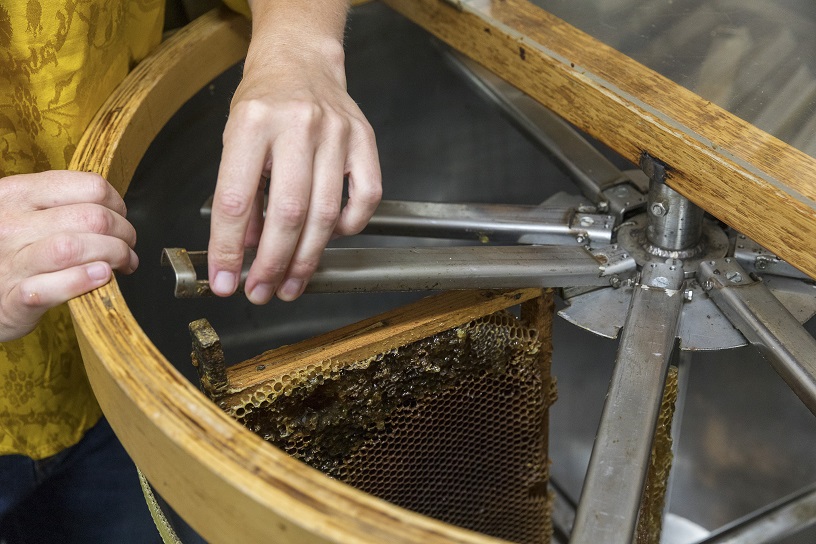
(59, 60)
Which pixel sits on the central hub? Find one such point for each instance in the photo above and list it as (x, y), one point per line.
(633, 236)
(673, 227)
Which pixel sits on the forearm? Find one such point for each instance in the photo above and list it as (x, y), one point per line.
(304, 29)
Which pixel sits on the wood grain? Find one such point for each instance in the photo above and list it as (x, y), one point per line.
(226, 482)
(740, 174)
(379, 334)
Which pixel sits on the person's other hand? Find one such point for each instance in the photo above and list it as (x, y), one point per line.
(61, 234)
(291, 123)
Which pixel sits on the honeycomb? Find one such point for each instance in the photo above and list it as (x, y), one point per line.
(452, 426)
(650, 522)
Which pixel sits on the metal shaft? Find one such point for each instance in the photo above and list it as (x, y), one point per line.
(430, 268)
(608, 509)
(675, 223)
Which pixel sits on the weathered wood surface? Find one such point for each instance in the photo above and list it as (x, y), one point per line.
(740, 174)
(228, 483)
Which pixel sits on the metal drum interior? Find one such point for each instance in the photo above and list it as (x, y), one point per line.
(745, 439)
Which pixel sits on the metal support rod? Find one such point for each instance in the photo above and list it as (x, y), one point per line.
(489, 222)
(483, 222)
(684, 360)
(771, 523)
(563, 513)
(608, 509)
(591, 171)
(765, 323)
(344, 270)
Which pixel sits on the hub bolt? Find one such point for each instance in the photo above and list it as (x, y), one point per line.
(660, 208)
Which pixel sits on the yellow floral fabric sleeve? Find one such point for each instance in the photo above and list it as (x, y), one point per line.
(60, 60)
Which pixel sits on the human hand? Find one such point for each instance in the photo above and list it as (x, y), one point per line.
(293, 122)
(61, 234)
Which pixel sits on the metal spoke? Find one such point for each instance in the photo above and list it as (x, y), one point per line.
(597, 177)
(772, 523)
(490, 222)
(765, 323)
(608, 509)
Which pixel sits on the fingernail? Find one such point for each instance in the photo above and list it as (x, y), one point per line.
(97, 271)
(224, 283)
(261, 293)
(134, 261)
(290, 289)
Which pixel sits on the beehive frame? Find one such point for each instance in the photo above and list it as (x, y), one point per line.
(440, 406)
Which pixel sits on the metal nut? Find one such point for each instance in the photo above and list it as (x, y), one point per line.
(659, 209)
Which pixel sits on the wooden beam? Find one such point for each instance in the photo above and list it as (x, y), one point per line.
(738, 173)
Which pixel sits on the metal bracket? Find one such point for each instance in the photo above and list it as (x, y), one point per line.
(755, 258)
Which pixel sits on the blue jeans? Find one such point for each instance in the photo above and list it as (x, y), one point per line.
(88, 493)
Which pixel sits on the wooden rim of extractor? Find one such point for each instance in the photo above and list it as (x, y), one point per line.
(230, 485)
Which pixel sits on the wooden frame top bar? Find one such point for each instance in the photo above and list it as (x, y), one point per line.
(745, 177)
